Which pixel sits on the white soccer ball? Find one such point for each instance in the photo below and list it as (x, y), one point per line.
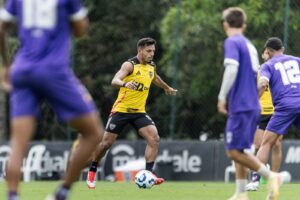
(144, 179)
(286, 177)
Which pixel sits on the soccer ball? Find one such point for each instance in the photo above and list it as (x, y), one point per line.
(144, 179)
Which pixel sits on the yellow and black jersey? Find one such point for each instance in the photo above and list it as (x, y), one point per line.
(134, 101)
(266, 102)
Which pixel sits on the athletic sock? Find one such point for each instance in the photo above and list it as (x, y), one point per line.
(264, 172)
(149, 166)
(241, 185)
(94, 166)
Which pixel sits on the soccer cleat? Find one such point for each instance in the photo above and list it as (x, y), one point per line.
(240, 196)
(274, 183)
(91, 180)
(158, 181)
(252, 186)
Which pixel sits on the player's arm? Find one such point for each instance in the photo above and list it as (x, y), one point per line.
(80, 27)
(3, 43)
(6, 19)
(230, 73)
(78, 18)
(125, 70)
(262, 85)
(160, 83)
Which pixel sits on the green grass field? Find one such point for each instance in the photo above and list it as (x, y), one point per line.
(166, 191)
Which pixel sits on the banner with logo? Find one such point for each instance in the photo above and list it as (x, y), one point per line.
(177, 160)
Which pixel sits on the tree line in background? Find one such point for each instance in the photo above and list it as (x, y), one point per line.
(115, 27)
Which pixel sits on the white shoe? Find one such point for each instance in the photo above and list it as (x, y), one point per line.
(91, 180)
(274, 183)
(50, 197)
(252, 186)
(241, 196)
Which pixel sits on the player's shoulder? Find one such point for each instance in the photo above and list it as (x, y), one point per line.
(152, 63)
(134, 60)
(291, 57)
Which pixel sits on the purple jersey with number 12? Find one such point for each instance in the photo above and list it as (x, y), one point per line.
(283, 74)
(243, 95)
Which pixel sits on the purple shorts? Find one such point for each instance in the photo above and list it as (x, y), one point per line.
(281, 121)
(240, 129)
(56, 85)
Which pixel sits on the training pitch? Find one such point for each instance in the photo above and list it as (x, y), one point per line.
(166, 191)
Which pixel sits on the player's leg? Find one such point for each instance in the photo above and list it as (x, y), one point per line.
(113, 128)
(268, 142)
(278, 125)
(255, 178)
(22, 129)
(24, 105)
(150, 134)
(241, 181)
(91, 131)
(107, 141)
(258, 139)
(277, 155)
(72, 103)
(240, 130)
(147, 129)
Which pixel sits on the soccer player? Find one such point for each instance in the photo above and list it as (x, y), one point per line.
(282, 74)
(134, 79)
(41, 72)
(239, 92)
(267, 110)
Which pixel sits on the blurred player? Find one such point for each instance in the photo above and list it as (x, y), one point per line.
(239, 91)
(282, 74)
(267, 110)
(41, 72)
(134, 80)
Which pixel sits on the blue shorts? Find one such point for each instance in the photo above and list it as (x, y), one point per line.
(56, 85)
(240, 129)
(281, 121)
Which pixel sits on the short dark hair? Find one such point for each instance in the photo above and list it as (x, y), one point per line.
(274, 43)
(145, 42)
(235, 17)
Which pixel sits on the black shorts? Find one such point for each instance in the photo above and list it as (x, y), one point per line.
(117, 121)
(263, 121)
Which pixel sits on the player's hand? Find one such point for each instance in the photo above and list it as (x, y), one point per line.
(131, 85)
(5, 82)
(222, 107)
(170, 91)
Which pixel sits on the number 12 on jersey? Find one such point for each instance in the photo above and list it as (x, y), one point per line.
(289, 71)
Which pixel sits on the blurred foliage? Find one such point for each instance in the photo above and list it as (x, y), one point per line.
(201, 42)
(115, 27)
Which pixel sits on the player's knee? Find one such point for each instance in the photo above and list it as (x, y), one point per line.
(155, 139)
(232, 154)
(277, 146)
(105, 145)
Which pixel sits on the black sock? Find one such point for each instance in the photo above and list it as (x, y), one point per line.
(149, 166)
(94, 166)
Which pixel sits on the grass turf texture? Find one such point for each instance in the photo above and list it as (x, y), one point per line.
(166, 191)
